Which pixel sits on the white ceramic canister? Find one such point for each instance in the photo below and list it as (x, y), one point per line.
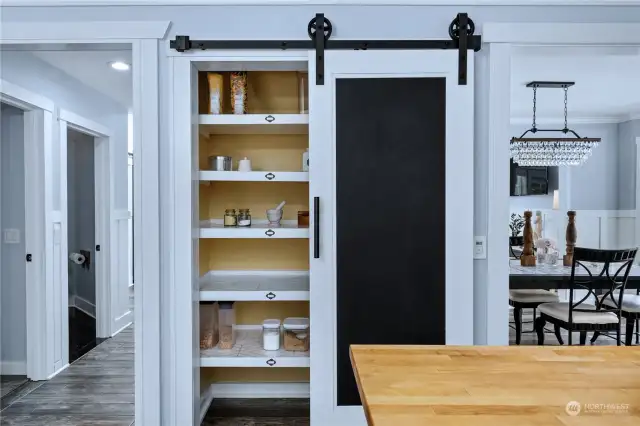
(244, 165)
(271, 334)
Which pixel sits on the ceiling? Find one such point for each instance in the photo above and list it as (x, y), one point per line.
(92, 68)
(607, 83)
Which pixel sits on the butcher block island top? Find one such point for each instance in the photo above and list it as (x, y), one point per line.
(498, 385)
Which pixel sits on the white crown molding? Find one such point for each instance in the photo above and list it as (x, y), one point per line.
(544, 33)
(573, 120)
(320, 2)
(23, 32)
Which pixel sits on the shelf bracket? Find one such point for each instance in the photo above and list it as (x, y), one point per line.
(319, 29)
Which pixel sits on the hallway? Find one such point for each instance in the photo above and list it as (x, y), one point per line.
(96, 390)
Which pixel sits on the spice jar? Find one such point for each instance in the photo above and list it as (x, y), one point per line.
(244, 217)
(271, 334)
(230, 218)
(239, 92)
(303, 219)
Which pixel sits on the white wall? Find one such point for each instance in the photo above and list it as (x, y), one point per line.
(81, 215)
(627, 134)
(13, 322)
(24, 69)
(349, 22)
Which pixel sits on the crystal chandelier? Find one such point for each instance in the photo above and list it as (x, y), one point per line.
(566, 151)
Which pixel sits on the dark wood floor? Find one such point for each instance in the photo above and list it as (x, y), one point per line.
(96, 390)
(9, 384)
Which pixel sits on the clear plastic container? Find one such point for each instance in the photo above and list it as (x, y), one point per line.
(227, 324)
(271, 334)
(296, 334)
(209, 332)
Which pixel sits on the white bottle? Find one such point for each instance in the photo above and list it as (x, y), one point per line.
(305, 161)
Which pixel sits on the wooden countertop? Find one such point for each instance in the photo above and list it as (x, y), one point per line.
(498, 385)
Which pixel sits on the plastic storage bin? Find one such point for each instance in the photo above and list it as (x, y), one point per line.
(209, 332)
(296, 334)
(271, 334)
(227, 324)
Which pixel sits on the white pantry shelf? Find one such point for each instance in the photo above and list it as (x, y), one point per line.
(254, 286)
(252, 124)
(248, 352)
(266, 176)
(259, 229)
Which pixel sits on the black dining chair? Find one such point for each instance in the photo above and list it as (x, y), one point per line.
(630, 312)
(584, 317)
(525, 299)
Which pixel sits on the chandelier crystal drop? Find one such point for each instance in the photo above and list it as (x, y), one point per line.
(557, 152)
(563, 151)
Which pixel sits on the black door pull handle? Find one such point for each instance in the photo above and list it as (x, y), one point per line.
(316, 227)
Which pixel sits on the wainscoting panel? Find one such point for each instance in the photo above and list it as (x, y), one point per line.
(59, 324)
(120, 309)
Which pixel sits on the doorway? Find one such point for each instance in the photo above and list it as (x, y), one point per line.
(13, 297)
(81, 237)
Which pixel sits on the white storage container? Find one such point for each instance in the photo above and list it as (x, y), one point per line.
(296, 334)
(271, 334)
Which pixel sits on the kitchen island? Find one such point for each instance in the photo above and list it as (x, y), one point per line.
(500, 385)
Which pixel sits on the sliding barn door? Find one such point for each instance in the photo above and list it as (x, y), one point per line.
(391, 163)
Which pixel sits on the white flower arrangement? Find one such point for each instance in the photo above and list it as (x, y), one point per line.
(547, 244)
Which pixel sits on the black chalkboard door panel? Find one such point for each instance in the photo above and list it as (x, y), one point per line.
(390, 216)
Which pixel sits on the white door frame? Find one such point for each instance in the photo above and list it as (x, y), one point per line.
(500, 38)
(38, 133)
(104, 212)
(144, 37)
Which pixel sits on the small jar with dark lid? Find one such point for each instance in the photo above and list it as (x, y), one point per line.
(244, 217)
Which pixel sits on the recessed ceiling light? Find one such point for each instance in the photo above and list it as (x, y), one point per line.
(120, 66)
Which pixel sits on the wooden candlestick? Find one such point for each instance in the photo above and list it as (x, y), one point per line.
(572, 237)
(527, 258)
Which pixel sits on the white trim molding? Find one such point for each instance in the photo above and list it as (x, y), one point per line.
(562, 34)
(637, 210)
(497, 278)
(144, 38)
(84, 125)
(320, 3)
(501, 37)
(22, 98)
(83, 31)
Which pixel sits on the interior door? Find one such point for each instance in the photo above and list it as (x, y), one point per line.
(391, 165)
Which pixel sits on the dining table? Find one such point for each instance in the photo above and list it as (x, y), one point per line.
(545, 276)
(498, 385)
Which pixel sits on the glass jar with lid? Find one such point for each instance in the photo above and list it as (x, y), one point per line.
(271, 334)
(230, 217)
(244, 217)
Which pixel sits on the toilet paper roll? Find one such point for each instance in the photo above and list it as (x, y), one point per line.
(77, 258)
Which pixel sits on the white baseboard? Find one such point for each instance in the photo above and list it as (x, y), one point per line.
(83, 305)
(121, 328)
(205, 402)
(260, 390)
(13, 368)
(58, 372)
